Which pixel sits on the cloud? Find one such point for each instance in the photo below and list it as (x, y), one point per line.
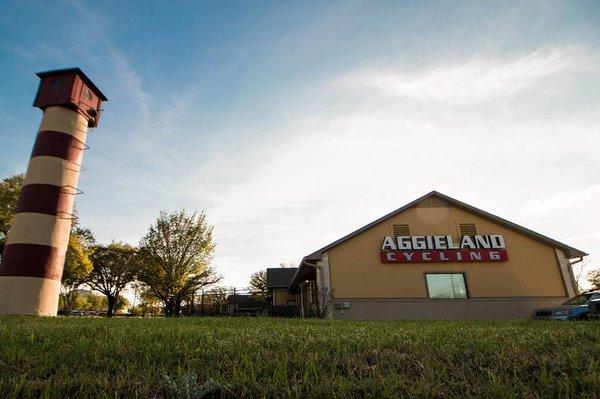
(348, 145)
(339, 173)
(476, 80)
(562, 201)
(361, 156)
(312, 177)
(94, 42)
(131, 82)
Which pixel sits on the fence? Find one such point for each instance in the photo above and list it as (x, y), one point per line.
(233, 302)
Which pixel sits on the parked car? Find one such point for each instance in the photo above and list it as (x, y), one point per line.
(581, 307)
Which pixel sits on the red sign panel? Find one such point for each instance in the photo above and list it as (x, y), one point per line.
(448, 255)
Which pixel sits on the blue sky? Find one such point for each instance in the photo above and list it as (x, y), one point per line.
(294, 123)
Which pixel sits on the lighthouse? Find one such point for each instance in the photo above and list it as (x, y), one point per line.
(34, 252)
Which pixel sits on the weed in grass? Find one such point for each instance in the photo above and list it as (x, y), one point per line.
(186, 386)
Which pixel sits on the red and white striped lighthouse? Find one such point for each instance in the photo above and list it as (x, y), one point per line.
(34, 252)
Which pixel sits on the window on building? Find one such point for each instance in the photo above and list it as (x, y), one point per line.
(400, 230)
(446, 286)
(467, 229)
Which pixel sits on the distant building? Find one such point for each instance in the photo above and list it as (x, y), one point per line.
(434, 258)
(243, 304)
(281, 301)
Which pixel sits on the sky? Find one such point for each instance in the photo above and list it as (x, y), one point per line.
(294, 123)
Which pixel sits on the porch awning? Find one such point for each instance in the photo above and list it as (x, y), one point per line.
(306, 271)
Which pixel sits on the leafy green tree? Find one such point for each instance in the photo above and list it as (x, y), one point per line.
(97, 303)
(114, 266)
(85, 301)
(593, 277)
(73, 297)
(175, 258)
(258, 284)
(81, 302)
(122, 303)
(78, 265)
(218, 299)
(10, 188)
(149, 303)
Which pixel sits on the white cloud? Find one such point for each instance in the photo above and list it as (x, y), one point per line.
(346, 171)
(131, 83)
(575, 215)
(478, 79)
(359, 145)
(565, 200)
(306, 183)
(363, 156)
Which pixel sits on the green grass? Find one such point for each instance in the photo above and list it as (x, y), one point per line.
(244, 357)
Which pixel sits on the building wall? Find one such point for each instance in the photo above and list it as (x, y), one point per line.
(479, 309)
(281, 296)
(357, 274)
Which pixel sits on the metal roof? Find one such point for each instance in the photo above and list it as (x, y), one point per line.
(280, 277)
(79, 72)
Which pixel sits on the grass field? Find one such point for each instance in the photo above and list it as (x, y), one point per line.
(244, 357)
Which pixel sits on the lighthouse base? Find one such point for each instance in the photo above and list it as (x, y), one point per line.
(29, 296)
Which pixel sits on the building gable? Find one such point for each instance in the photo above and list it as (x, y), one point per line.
(435, 199)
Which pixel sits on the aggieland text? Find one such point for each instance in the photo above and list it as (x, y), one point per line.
(426, 249)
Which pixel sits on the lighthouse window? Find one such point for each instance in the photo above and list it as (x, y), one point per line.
(87, 94)
(446, 286)
(55, 84)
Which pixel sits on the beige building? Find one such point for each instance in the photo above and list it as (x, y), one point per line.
(436, 258)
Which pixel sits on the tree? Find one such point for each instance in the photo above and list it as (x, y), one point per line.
(78, 265)
(218, 300)
(88, 301)
(10, 188)
(122, 303)
(137, 287)
(97, 303)
(593, 277)
(149, 303)
(324, 301)
(258, 284)
(175, 258)
(114, 266)
(578, 270)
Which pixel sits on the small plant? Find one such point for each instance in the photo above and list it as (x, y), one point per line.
(186, 387)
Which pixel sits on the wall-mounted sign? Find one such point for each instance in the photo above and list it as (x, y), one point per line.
(427, 249)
